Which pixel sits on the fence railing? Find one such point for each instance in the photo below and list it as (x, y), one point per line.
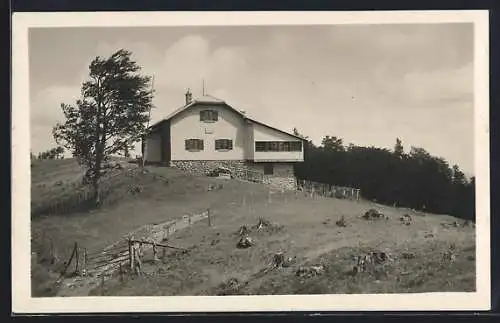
(328, 190)
(314, 188)
(128, 254)
(251, 176)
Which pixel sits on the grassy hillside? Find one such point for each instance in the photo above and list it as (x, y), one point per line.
(304, 229)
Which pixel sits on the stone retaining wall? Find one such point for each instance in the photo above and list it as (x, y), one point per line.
(202, 167)
(283, 172)
(286, 183)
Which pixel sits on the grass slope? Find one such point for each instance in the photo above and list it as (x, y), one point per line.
(308, 233)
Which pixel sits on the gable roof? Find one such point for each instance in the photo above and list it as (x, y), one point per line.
(213, 100)
(204, 99)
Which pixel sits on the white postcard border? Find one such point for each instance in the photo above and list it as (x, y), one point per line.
(22, 302)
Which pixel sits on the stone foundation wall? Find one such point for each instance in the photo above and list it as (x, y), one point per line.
(283, 173)
(283, 176)
(286, 183)
(202, 167)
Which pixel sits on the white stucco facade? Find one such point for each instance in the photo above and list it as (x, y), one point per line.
(230, 125)
(273, 159)
(187, 125)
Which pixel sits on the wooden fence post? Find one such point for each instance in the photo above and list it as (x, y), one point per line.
(77, 255)
(69, 262)
(209, 217)
(121, 273)
(52, 252)
(137, 258)
(131, 254)
(84, 271)
(155, 253)
(164, 254)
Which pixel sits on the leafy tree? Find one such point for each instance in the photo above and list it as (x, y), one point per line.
(296, 132)
(458, 176)
(417, 179)
(399, 149)
(53, 153)
(419, 154)
(332, 143)
(109, 117)
(308, 141)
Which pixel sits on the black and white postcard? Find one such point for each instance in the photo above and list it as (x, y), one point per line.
(250, 161)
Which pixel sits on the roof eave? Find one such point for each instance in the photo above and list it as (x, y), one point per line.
(273, 128)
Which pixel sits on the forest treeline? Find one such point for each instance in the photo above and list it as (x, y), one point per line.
(53, 153)
(415, 179)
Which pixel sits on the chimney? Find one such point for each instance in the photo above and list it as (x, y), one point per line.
(189, 97)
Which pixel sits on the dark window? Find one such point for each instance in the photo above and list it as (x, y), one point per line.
(278, 146)
(209, 115)
(296, 146)
(223, 144)
(260, 146)
(194, 144)
(268, 169)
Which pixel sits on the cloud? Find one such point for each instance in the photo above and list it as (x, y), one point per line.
(46, 104)
(45, 112)
(366, 84)
(440, 84)
(184, 62)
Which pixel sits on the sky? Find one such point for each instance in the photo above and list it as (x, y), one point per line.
(367, 84)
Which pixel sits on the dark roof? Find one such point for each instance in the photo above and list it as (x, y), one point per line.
(213, 100)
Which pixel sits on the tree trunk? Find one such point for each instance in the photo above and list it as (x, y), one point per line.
(99, 147)
(95, 185)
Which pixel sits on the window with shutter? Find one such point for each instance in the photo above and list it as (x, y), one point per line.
(209, 115)
(194, 144)
(223, 144)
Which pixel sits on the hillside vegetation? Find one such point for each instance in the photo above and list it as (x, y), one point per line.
(415, 179)
(309, 231)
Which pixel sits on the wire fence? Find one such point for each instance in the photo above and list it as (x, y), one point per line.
(128, 254)
(328, 190)
(307, 186)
